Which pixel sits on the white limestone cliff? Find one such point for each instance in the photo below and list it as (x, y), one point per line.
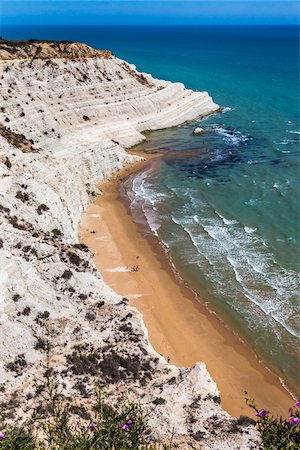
(64, 127)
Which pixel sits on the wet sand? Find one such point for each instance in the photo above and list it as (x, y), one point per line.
(180, 326)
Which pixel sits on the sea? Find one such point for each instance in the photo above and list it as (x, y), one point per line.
(225, 204)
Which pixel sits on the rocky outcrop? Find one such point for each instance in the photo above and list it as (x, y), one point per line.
(63, 129)
(37, 49)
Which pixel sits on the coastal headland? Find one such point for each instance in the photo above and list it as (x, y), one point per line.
(68, 112)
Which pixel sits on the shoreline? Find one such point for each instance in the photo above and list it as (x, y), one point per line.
(175, 319)
(60, 300)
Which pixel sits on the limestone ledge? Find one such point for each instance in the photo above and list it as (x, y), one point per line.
(64, 127)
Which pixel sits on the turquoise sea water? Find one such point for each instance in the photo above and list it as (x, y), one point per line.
(226, 203)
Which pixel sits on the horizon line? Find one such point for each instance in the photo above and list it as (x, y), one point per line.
(155, 25)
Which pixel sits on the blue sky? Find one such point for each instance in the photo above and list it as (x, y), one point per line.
(143, 12)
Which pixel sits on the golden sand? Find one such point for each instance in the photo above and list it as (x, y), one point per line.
(180, 326)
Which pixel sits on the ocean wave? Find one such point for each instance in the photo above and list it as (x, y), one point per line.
(143, 199)
(253, 161)
(255, 270)
(250, 230)
(231, 136)
(252, 201)
(286, 142)
(193, 259)
(227, 108)
(152, 220)
(226, 221)
(283, 323)
(227, 253)
(284, 385)
(280, 188)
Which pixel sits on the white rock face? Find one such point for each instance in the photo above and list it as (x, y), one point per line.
(199, 131)
(80, 116)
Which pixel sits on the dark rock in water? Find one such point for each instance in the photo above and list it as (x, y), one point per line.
(198, 131)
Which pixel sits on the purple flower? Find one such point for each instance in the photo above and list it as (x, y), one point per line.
(294, 420)
(2, 436)
(262, 413)
(92, 426)
(297, 404)
(125, 427)
(129, 422)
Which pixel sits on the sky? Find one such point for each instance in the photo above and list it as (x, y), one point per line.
(146, 12)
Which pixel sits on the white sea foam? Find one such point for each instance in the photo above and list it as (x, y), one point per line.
(285, 142)
(231, 137)
(252, 268)
(143, 197)
(285, 325)
(252, 201)
(250, 230)
(231, 251)
(199, 249)
(227, 108)
(152, 220)
(226, 221)
(287, 389)
(252, 161)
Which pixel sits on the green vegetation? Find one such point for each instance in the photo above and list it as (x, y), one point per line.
(278, 433)
(58, 425)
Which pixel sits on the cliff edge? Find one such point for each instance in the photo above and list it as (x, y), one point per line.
(67, 114)
(37, 49)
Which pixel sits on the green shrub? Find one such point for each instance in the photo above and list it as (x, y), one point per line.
(54, 427)
(278, 433)
(121, 428)
(16, 439)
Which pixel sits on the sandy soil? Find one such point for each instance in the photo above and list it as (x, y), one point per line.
(180, 327)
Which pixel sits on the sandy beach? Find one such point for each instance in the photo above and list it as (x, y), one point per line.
(180, 327)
